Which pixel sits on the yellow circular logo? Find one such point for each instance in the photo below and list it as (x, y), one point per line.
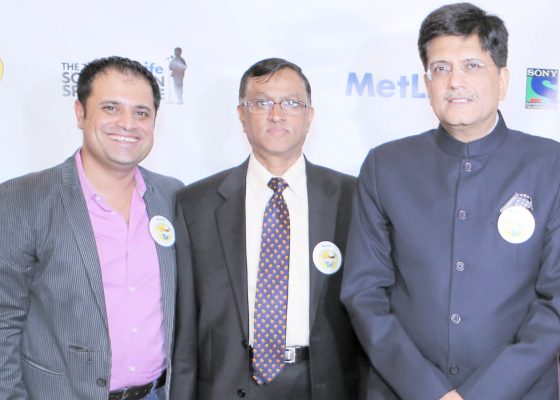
(1, 69)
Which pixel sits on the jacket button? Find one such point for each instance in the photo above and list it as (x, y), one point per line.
(101, 382)
(240, 393)
(454, 370)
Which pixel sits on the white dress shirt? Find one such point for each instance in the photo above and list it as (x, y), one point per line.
(257, 196)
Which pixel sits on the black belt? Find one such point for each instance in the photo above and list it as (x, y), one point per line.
(296, 354)
(293, 354)
(137, 392)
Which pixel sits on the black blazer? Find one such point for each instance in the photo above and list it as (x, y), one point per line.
(211, 356)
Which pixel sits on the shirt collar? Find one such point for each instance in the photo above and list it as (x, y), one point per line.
(258, 177)
(480, 147)
(88, 190)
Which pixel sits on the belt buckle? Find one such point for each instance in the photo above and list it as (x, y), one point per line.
(126, 393)
(290, 355)
(133, 391)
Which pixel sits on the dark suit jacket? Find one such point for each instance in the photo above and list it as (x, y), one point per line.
(54, 338)
(211, 356)
(438, 298)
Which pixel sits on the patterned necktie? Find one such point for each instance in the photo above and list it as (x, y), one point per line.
(271, 301)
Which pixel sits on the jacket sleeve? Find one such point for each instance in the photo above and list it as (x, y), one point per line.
(369, 275)
(17, 256)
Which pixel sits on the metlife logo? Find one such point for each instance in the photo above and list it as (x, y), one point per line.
(368, 85)
(70, 72)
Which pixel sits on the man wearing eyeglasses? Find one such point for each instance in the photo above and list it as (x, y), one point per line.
(452, 278)
(259, 315)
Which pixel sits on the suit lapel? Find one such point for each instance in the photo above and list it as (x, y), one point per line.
(78, 219)
(230, 219)
(157, 205)
(322, 224)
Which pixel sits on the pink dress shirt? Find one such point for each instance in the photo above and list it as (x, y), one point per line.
(131, 284)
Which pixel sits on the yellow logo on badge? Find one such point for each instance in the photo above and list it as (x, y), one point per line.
(328, 258)
(1, 69)
(162, 231)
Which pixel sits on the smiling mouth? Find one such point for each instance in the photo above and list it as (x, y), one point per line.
(459, 100)
(123, 139)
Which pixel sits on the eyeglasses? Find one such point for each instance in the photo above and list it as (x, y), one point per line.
(264, 106)
(441, 70)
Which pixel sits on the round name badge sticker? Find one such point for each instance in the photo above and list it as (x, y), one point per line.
(327, 257)
(516, 224)
(162, 231)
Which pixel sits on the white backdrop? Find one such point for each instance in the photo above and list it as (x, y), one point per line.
(44, 43)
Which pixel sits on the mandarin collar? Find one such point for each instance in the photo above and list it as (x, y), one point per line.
(480, 147)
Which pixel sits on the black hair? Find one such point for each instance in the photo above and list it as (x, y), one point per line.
(270, 66)
(120, 64)
(465, 19)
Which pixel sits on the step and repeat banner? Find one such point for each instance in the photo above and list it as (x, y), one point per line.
(360, 57)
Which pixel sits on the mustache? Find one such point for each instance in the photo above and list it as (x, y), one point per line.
(459, 94)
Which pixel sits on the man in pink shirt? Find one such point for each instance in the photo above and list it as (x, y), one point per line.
(87, 259)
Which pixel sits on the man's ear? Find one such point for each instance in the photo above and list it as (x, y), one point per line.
(80, 112)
